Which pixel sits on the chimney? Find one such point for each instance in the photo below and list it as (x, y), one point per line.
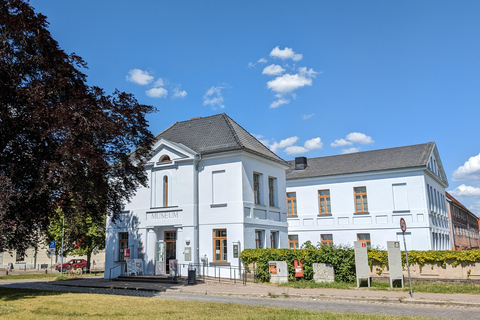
(300, 163)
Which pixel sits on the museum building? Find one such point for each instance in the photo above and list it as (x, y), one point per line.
(213, 190)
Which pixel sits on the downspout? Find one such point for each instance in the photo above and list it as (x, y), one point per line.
(196, 206)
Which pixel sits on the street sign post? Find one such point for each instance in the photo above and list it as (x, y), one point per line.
(403, 227)
(51, 249)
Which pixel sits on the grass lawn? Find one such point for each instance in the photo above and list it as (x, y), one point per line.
(427, 287)
(36, 304)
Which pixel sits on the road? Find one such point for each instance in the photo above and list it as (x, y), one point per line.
(398, 309)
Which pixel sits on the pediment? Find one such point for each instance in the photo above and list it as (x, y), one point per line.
(174, 151)
(436, 167)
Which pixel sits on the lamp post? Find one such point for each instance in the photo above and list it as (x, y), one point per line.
(61, 250)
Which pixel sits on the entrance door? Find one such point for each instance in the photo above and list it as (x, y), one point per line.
(171, 244)
(160, 258)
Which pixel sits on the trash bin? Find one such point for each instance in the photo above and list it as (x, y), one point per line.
(192, 276)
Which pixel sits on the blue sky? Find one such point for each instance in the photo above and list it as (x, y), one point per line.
(308, 78)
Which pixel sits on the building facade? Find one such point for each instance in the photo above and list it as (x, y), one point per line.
(464, 226)
(362, 196)
(213, 190)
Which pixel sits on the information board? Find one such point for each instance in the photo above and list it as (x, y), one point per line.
(361, 262)
(394, 261)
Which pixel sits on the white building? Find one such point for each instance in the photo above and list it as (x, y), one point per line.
(213, 190)
(362, 196)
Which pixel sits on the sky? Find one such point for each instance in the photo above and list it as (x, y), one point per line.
(307, 78)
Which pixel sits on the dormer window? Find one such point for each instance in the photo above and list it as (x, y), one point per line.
(165, 158)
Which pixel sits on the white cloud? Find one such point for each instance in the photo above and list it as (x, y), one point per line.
(465, 191)
(158, 83)
(139, 77)
(279, 102)
(307, 116)
(310, 73)
(340, 143)
(273, 70)
(350, 150)
(286, 53)
(470, 171)
(313, 144)
(357, 137)
(157, 92)
(214, 98)
(177, 93)
(262, 60)
(350, 139)
(288, 83)
(283, 144)
(293, 150)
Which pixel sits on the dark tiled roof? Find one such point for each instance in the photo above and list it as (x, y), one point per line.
(368, 161)
(218, 133)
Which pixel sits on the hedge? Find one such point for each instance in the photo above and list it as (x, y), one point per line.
(343, 259)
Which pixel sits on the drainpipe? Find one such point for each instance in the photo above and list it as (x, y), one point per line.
(196, 208)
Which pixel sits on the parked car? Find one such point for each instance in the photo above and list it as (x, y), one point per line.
(72, 265)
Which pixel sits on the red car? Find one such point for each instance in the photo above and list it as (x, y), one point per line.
(72, 265)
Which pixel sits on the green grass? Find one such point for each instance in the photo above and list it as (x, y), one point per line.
(37, 304)
(426, 287)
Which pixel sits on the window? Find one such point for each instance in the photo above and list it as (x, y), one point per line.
(327, 240)
(122, 245)
(271, 191)
(291, 204)
(219, 187)
(324, 201)
(20, 256)
(293, 241)
(165, 191)
(258, 239)
(273, 239)
(220, 245)
(165, 158)
(256, 187)
(361, 205)
(364, 237)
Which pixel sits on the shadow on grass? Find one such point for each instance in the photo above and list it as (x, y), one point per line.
(11, 294)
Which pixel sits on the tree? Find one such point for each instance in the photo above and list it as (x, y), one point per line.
(84, 236)
(63, 144)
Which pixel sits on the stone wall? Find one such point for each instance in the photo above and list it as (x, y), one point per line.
(463, 271)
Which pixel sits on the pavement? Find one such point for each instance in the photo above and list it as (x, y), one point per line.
(274, 291)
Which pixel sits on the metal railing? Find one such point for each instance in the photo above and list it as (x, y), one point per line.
(112, 268)
(213, 272)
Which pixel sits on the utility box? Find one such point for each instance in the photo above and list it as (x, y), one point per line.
(278, 271)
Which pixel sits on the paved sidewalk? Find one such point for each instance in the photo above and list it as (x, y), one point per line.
(266, 290)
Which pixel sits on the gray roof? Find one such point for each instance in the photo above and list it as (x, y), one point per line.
(214, 134)
(414, 156)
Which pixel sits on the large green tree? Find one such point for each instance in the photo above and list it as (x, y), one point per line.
(63, 144)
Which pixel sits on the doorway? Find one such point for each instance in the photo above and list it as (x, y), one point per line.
(170, 238)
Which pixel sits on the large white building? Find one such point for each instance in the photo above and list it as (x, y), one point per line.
(362, 196)
(213, 190)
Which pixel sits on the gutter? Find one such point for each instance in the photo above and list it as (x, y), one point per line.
(196, 208)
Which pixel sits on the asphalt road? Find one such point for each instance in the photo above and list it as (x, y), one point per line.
(398, 309)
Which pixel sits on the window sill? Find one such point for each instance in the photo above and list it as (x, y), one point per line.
(218, 205)
(275, 207)
(324, 215)
(169, 207)
(361, 213)
(401, 211)
(292, 216)
(259, 205)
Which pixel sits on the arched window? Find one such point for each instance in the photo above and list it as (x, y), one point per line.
(165, 158)
(165, 191)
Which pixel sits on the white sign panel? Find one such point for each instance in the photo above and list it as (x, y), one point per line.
(361, 261)
(394, 261)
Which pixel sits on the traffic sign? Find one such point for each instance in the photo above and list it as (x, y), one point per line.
(51, 245)
(403, 225)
